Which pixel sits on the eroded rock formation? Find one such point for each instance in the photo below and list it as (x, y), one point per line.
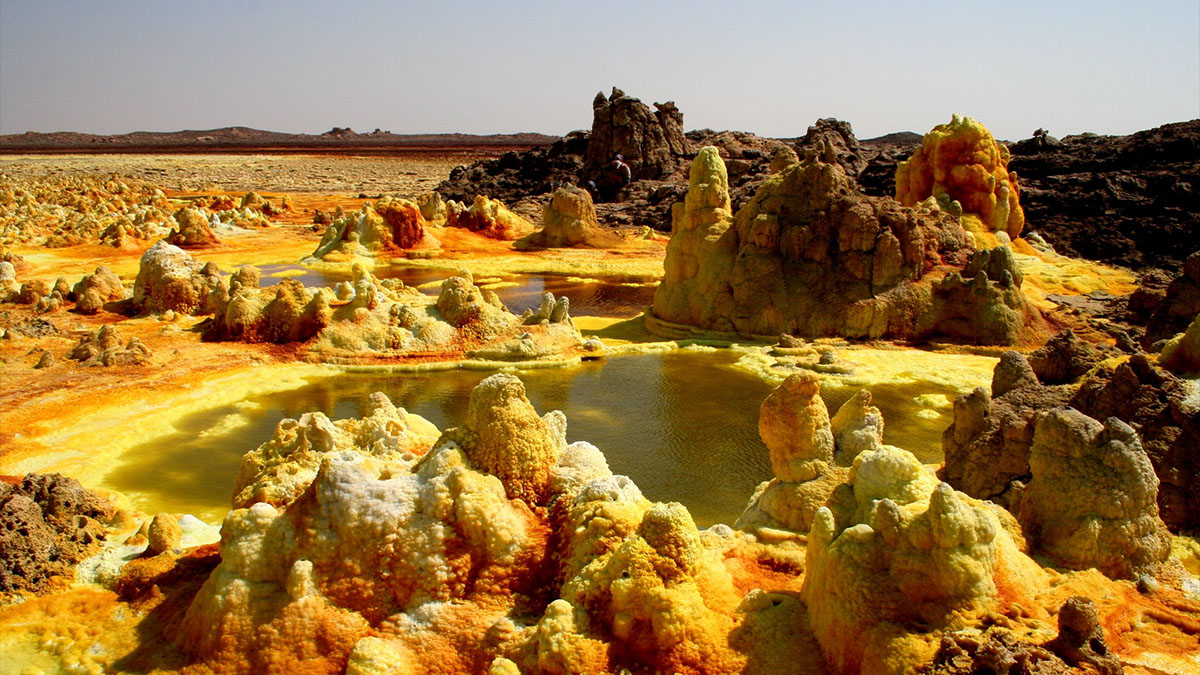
(389, 225)
(489, 217)
(987, 447)
(649, 141)
(810, 454)
(1092, 501)
(192, 231)
(810, 255)
(894, 550)
(96, 289)
(48, 523)
(104, 348)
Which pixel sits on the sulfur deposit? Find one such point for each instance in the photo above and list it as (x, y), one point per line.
(170, 279)
(431, 560)
(489, 217)
(810, 255)
(193, 230)
(390, 225)
(896, 554)
(810, 454)
(368, 318)
(960, 161)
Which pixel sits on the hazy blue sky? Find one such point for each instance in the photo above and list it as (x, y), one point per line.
(497, 67)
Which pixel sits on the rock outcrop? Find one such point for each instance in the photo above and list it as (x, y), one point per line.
(987, 447)
(171, 279)
(649, 141)
(1177, 306)
(569, 220)
(48, 524)
(1125, 200)
(962, 161)
(1181, 354)
(810, 455)
(810, 255)
(1159, 406)
(1092, 501)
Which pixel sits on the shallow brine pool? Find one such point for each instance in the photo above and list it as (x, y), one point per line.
(683, 425)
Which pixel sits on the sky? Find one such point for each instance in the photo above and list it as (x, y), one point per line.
(771, 68)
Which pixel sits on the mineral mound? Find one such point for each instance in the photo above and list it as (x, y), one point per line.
(1092, 499)
(370, 319)
(988, 446)
(390, 225)
(569, 219)
(960, 161)
(810, 255)
(810, 455)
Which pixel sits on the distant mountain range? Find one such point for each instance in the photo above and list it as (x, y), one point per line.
(245, 139)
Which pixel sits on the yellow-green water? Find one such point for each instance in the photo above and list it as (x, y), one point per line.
(683, 425)
(589, 297)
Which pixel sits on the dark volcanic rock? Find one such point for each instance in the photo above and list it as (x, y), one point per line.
(650, 142)
(48, 523)
(1128, 200)
(1179, 303)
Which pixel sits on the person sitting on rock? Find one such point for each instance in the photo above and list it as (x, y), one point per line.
(618, 176)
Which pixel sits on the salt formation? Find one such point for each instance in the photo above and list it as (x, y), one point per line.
(895, 555)
(170, 279)
(193, 230)
(104, 348)
(373, 553)
(391, 224)
(569, 219)
(810, 255)
(58, 212)
(48, 523)
(368, 318)
(489, 217)
(96, 289)
(987, 447)
(287, 312)
(961, 162)
(1092, 499)
(810, 455)
(278, 471)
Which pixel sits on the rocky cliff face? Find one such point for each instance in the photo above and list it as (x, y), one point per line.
(650, 141)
